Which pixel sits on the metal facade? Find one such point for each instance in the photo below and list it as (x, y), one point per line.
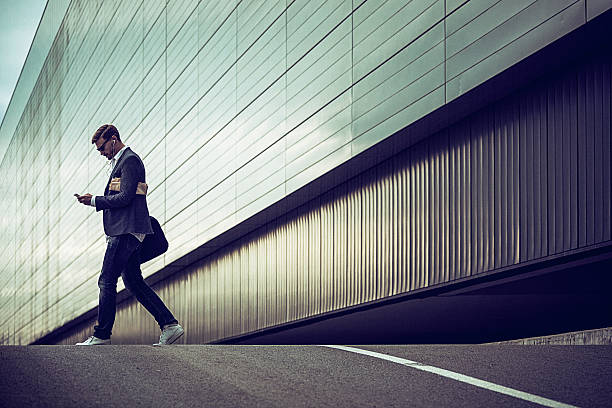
(235, 105)
(525, 179)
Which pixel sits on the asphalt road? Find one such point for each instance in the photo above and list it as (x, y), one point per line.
(301, 376)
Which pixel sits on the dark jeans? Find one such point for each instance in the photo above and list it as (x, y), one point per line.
(122, 257)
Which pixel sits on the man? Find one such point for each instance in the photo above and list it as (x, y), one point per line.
(126, 222)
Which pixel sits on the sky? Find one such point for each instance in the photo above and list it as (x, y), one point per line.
(18, 22)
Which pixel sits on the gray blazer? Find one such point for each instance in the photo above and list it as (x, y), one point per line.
(124, 211)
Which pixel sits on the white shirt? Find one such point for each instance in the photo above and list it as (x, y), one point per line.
(114, 160)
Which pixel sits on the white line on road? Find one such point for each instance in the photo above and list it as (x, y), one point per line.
(459, 377)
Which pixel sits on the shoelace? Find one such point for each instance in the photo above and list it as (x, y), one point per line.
(165, 335)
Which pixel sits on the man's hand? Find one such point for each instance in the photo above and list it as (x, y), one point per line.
(85, 199)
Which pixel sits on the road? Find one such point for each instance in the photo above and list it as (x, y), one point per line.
(306, 376)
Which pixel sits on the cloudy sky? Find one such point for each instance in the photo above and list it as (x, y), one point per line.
(18, 22)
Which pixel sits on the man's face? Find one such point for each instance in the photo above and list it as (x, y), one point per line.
(105, 147)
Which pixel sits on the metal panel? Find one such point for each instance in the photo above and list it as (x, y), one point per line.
(531, 29)
(262, 63)
(328, 253)
(389, 29)
(476, 19)
(419, 98)
(596, 7)
(311, 24)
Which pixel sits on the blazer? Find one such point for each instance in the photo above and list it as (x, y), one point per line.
(125, 211)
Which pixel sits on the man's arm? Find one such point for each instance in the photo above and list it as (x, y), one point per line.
(130, 174)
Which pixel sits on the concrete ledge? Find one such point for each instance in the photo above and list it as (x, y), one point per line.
(601, 336)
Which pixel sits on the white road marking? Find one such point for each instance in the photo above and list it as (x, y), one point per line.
(459, 377)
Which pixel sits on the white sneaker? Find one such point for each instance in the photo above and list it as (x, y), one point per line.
(94, 341)
(170, 334)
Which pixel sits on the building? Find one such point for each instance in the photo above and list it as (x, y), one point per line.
(332, 169)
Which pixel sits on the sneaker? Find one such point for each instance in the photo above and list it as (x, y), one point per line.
(170, 334)
(94, 341)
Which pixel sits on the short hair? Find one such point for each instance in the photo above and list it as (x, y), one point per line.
(105, 132)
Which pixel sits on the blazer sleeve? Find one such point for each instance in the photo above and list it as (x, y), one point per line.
(130, 171)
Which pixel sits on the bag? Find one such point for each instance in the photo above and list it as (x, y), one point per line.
(154, 244)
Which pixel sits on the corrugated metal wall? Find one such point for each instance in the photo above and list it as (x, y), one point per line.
(523, 179)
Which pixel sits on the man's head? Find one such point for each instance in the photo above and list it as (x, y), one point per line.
(107, 141)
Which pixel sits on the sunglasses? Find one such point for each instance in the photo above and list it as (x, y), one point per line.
(101, 148)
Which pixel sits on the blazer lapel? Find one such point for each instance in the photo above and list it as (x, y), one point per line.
(115, 170)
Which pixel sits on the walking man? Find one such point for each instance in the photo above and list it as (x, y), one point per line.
(126, 223)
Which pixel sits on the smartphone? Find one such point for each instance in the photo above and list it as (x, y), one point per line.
(77, 195)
